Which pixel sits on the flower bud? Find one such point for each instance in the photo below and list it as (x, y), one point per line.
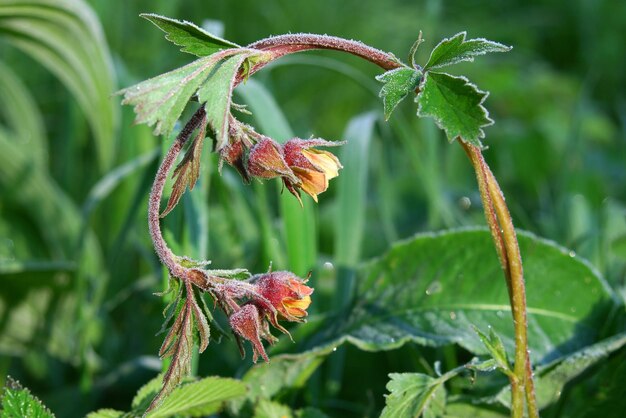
(246, 322)
(233, 154)
(266, 161)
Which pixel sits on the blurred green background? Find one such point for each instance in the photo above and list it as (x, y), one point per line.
(77, 269)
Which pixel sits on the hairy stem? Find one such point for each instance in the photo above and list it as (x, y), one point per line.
(505, 239)
(165, 254)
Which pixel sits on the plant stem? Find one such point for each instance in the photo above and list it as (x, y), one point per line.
(505, 239)
(165, 254)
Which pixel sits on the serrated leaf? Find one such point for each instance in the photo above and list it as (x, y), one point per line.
(413, 395)
(187, 171)
(398, 83)
(200, 398)
(179, 346)
(193, 39)
(161, 100)
(19, 402)
(493, 344)
(456, 49)
(217, 96)
(268, 409)
(456, 106)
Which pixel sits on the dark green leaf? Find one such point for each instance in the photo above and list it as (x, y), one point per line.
(18, 402)
(413, 395)
(398, 83)
(457, 49)
(456, 105)
(434, 287)
(192, 38)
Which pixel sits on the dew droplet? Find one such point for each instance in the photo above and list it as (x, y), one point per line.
(329, 266)
(452, 315)
(572, 254)
(433, 288)
(334, 349)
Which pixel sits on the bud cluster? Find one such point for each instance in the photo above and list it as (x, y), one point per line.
(266, 299)
(297, 162)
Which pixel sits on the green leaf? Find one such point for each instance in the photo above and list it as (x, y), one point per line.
(178, 344)
(269, 409)
(106, 413)
(550, 379)
(187, 171)
(456, 49)
(398, 83)
(161, 100)
(204, 397)
(413, 395)
(217, 96)
(433, 288)
(456, 105)
(192, 38)
(18, 402)
(494, 345)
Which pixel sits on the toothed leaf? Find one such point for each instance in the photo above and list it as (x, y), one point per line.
(456, 49)
(456, 106)
(188, 171)
(398, 83)
(414, 395)
(192, 38)
(216, 93)
(159, 101)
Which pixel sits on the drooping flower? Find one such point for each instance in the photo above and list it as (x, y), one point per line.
(313, 167)
(248, 323)
(287, 293)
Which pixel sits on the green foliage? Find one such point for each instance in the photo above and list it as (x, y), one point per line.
(398, 83)
(456, 49)
(193, 39)
(414, 395)
(434, 288)
(66, 37)
(18, 402)
(160, 101)
(217, 95)
(78, 270)
(456, 105)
